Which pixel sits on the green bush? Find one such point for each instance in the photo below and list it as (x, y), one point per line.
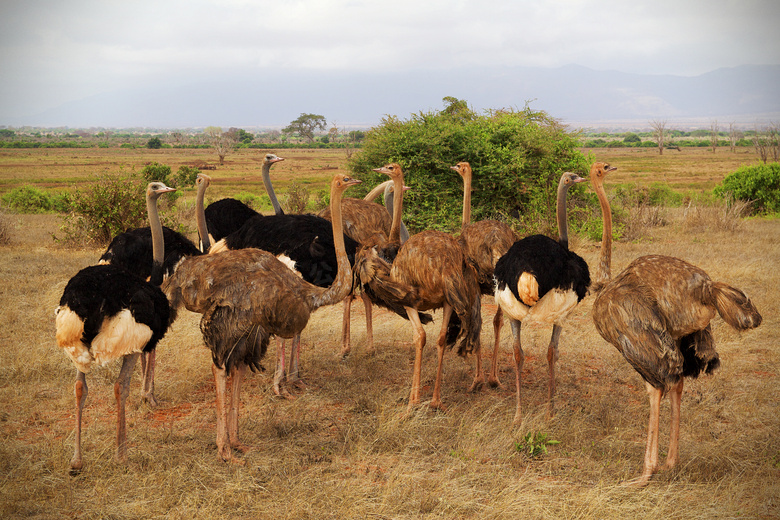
(759, 184)
(155, 171)
(186, 176)
(110, 204)
(29, 199)
(297, 199)
(154, 143)
(517, 158)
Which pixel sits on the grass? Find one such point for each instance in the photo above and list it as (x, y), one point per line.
(343, 450)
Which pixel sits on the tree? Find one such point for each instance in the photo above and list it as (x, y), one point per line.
(222, 142)
(714, 135)
(734, 135)
(517, 156)
(306, 125)
(154, 143)
(659, 133)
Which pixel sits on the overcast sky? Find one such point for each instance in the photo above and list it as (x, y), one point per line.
(57, 51)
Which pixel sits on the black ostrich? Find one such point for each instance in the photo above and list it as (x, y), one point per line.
(132, 251)
(226, 216)
(107, 313)
(539, 279)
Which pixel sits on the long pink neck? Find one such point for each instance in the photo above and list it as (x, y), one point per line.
(561, 215)
(200, 215)
(398, 198)
(605, 263)
(342, 284)
(466, 200)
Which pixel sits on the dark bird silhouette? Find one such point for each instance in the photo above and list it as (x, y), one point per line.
(245, 297)
(539, 279)
(369, 224)
(107, 313)
(428, 272)
(657, 313)
(226, 216)
(133, 251)
(484, 242)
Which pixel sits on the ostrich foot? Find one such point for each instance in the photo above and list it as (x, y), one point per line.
(437, 405)
(150, 400)
(494, 382)
(75, 468)
(242, 448)
(477, 384)
(638, 482)
(280, 391)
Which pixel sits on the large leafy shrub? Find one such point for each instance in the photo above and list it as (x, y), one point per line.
(29, 199)
(517, 158)
(759, 184)
(110, 204)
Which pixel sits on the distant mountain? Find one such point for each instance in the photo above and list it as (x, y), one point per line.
(574, 94)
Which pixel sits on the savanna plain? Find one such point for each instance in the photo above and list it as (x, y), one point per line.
(343, 448)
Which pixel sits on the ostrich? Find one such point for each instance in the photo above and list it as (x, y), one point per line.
(539, 279)
(225, 216)
(657, 313)
(132, 251)
(369, 224)
(484, 242)
(107, 313)
(245, 297)
(428, 272)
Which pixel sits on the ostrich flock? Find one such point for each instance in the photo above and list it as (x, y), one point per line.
(255, 276)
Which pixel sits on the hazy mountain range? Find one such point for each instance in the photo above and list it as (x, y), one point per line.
(748, 95)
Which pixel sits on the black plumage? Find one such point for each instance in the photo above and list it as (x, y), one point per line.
(132, 250)
(226, 216)
(553, 266)
(306, 239)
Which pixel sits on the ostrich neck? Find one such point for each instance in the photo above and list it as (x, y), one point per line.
(388, 196)
(341, 286)
(605, 263)
(398, 197)
(269, 188)
(200, 217)
(560, 210)
(158, 244)
(466, 201)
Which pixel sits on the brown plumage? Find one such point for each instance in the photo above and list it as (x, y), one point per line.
(657, 313)
(429, 272)
(246, 296)
(484, 242)
(369, 224)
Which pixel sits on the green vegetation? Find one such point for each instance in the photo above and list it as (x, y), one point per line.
(534, 444)
(154, 143)
(110, 204)
(759, 184)
(306, 125)
(29, 199)
(517, 158)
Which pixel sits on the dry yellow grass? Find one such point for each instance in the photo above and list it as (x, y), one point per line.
(342, 449)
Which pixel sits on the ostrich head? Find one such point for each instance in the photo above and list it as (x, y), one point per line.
(157, 188)
(599, 170)
(393, 170)
(270, 159)
(463, 168)
(569, 179)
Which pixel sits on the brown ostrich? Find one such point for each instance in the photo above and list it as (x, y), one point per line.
(369, 224)
(107, 313)
(245, 297)
(540, 280)
(429, 272)
(484, 242)
(657, 313)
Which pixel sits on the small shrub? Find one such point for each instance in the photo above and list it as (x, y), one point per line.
(154, 143)
(155, 171)
(256, 202)
(27, 199)
(721, 216)
(109, 205)
(534, 444)
(759, 184)
(186, 176)
(297, 198)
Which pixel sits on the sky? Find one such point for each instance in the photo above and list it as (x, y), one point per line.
(53, 52)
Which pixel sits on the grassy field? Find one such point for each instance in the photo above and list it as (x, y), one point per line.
(342, 449)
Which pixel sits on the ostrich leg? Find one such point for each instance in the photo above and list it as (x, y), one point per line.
(121, 390)
(552, 357)
(519, 358)
(148, 360)
(498, 322)
(441, 346)
(81, 391)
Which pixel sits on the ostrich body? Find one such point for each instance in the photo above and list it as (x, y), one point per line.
(245, 297)
(540, 280)
(107, 313)
(226, 216)
(484, 242)
(369, 224)
(133, 252)
(428, 272)
(657, 313)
